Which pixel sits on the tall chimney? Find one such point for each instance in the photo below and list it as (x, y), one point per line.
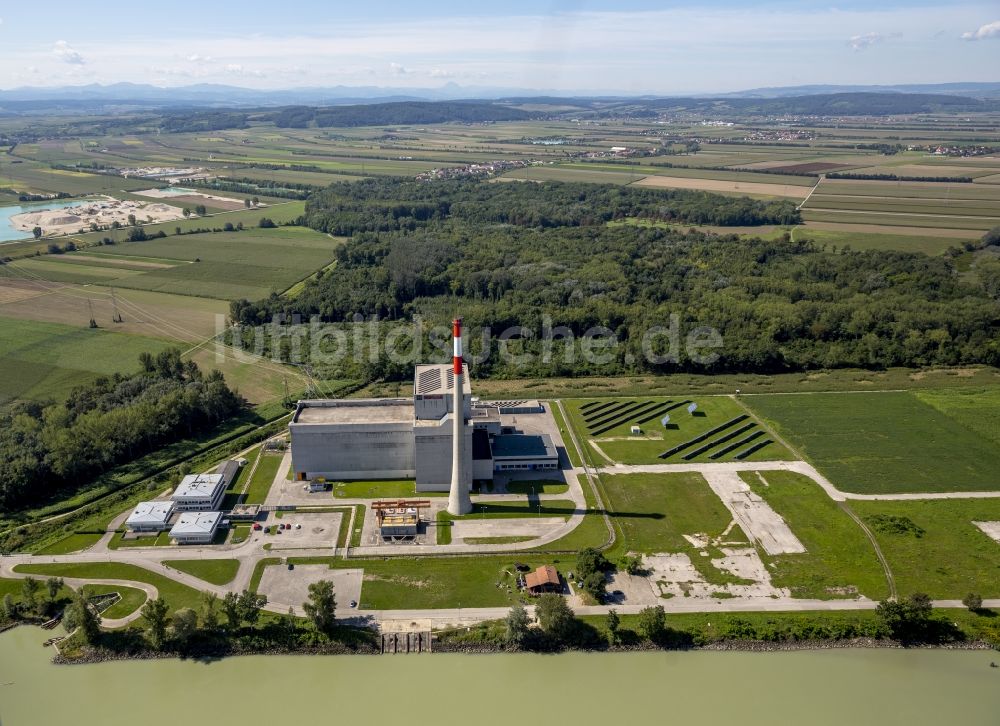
(459, 501)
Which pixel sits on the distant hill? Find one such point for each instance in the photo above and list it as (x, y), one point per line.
(353, 106)
(972, 90)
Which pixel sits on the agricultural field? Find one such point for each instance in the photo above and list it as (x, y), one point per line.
(715, 185)
(893, 441)
(46, 360)
(222, 265)
(935, 547)
(718, 429)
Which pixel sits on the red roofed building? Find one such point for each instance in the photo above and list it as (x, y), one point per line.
(544, 579)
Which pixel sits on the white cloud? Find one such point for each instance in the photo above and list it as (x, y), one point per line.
(170, 71)
(196, 58)
(861, 42)
(441, 73)
(64, 52)
(398, 69)
(238, 69)
(990, 30)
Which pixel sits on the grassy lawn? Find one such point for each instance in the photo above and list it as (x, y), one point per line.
(240, 533)
(888, 442)
(177, 595)
(380, 488)
(655, 510)
(132, 599)
(71, 543)
(263, 477)
(537, 487)
(432, 582)
(217, 572)
(444, 521)
(517, 509)
(160, 540)
(952, 557)
(240, 480)
(618, 444)
(838, 559)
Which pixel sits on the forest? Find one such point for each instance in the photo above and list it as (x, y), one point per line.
(401, 112)
(47, 447)
(517, 254)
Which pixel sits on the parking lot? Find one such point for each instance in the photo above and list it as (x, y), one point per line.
(290, 588)
(307, 530)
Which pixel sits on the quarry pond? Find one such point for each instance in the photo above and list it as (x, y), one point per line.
(8, 232)
(835, 686)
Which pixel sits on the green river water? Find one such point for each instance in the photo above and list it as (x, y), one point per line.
(811, 688)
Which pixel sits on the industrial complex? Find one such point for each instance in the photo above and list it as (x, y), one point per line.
(420, 438)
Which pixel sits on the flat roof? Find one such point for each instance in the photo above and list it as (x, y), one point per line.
(198, 486)
(438, 378)
(196, 523)
(516, 446)
(374, 410)
(486, 413)
(150, 513)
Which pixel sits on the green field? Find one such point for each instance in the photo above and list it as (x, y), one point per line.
(886, 442)
(431, 582)
(909, 190)
(839, 560)
(46, 360)
(865, 240)
(280, 213)
(952, 557)
(902, 219)
(654, 511)
(713, 412)
(223, 265)
(216, 572)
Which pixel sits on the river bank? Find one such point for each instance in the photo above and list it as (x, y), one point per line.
(91, 655)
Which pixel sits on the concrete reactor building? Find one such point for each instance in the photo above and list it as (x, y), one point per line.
(442, 437)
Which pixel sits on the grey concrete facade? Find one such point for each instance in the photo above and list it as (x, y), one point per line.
(433, 451)
(353, 439)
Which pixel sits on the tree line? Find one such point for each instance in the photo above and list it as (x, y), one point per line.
(48, 448)
(401, 112)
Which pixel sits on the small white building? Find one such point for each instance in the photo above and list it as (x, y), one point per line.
(149, 516)
(199, 492)
(196, 527)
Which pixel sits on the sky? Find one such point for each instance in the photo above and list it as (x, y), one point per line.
(627, 47)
